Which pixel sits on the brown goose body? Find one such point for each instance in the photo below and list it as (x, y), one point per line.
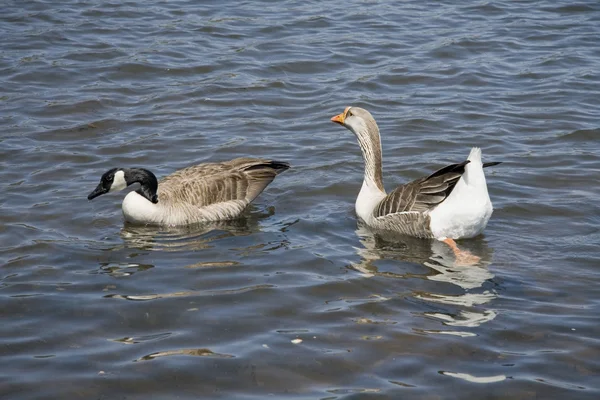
(199, 193)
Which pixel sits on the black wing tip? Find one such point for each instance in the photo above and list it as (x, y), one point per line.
(278, 166)
(491, 164)
(457, 168)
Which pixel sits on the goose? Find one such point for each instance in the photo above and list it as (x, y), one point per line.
(199, 193)
(451, 203)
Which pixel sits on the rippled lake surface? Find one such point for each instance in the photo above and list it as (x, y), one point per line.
(295, 300)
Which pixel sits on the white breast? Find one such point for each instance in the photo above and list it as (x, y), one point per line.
(138, 209)
(367, 200)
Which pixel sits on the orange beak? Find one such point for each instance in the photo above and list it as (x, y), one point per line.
(340, 118)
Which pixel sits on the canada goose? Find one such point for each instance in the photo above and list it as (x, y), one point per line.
(451, 203)
(199, 193)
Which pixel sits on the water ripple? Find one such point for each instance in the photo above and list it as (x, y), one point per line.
(295, 299)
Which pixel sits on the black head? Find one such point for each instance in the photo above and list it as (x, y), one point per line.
(107, 182)
(119, 178)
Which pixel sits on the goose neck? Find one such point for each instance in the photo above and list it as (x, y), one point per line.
(147, 180)
(370, 145)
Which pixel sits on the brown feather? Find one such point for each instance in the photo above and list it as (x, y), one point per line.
(422, 194)
(206, 184)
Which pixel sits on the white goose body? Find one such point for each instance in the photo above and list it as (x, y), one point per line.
(200, 193)
(451, 203)
(467, 210)
(138, 210)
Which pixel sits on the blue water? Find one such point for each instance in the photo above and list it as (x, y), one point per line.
(296, 300)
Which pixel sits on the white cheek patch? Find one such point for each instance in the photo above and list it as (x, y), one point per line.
(119, 182)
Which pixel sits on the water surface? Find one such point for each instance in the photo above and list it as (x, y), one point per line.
(296, 300)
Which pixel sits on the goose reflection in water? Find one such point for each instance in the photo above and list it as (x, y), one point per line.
(474, 281)
(191, 237)
(142, 239)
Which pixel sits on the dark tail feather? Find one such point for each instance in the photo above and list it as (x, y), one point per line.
(458, 168)
(260, 175)
(278, 166)
(491, 164)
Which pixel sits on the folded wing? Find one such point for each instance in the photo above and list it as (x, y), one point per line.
(209, 184)
(423, 194)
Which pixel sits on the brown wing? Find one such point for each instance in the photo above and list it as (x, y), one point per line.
(206, 184)
(422, 194)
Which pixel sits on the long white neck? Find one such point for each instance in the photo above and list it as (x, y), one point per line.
(372, 191)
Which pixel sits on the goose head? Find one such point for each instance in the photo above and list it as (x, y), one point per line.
(119, 178)
(358, 120)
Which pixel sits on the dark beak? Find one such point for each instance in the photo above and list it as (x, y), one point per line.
(100, 190)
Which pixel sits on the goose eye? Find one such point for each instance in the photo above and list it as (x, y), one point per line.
(348, 114)
(110, 178)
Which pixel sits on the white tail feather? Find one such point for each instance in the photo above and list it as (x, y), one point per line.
(475, 155)
(466, 211)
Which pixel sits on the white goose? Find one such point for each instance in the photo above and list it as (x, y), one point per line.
(452, 203)
(200, 193)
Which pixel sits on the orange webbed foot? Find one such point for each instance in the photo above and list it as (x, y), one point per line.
(464, 258)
